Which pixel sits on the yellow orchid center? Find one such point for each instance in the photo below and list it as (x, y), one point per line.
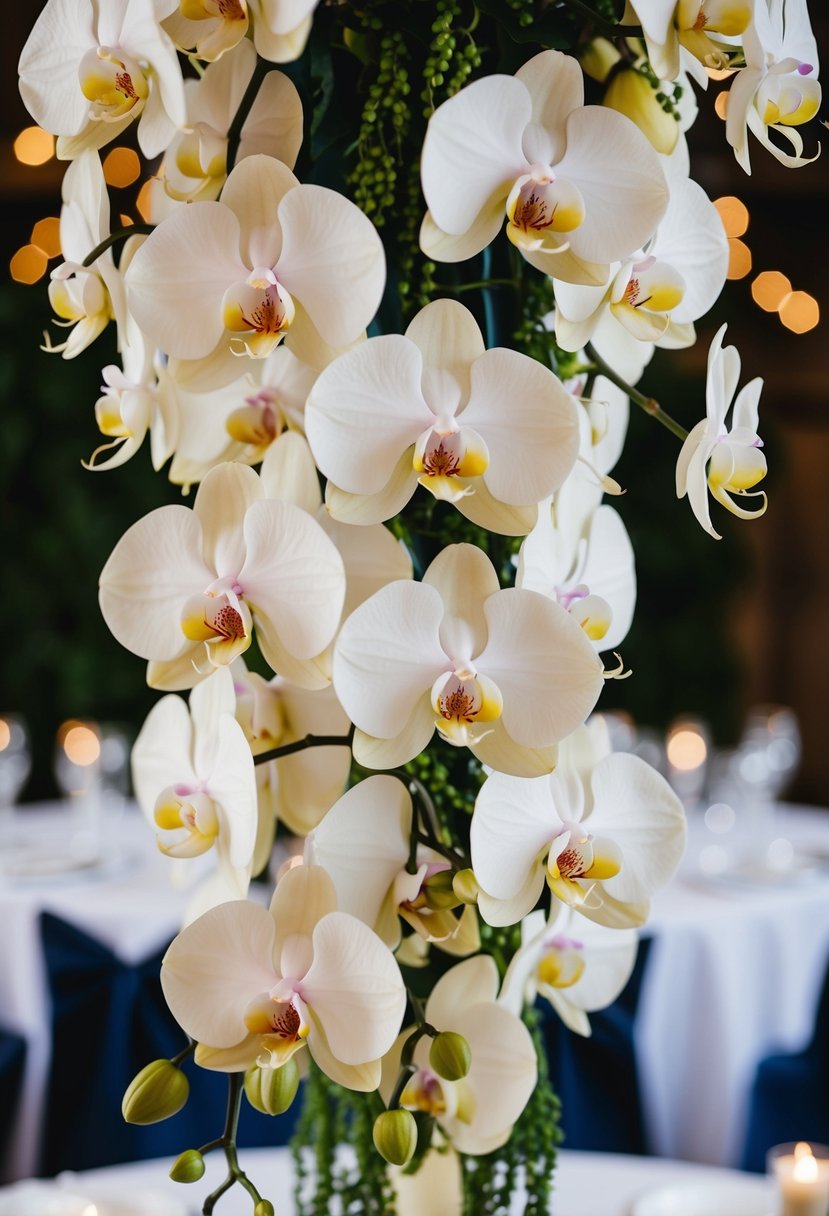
(221, 620)
(445, 456)
(113, 82)
(463, 700)
(540, 204)
(736, 467)
(258, 422)
(280, 1025)
(187, 821)
(789, 99)
(260, 309)
(579, 858)
(728, 17)
(424, 1092)
(653, 285)
(562, 964)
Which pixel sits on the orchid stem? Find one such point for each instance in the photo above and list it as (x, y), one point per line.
(607, 27)
(478, 285)
(288, 749)
(119, 234)
(234, 132)
(235, 1173)
(184, 1053)
(648, 404)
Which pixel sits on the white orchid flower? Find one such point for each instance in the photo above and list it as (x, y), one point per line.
(88, 70)
(574, 964)
(604, 835)
(252, 984)
(272, 258)
(716, 459)
(184, 587)
(669, 26)
(778, 89)
(507, 673)
(591, 575)
(580, 185)
(658, 293)
(194, 780)
(363, 844)
(491, 431)
(241, 420)
(86, 298)
(212, 27)
(296, 790)
(477, 1113)
(195, 164)
(137, 399)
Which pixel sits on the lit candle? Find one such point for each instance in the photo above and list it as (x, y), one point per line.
(802, 1173)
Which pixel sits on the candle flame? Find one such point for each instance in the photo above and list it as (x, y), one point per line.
(805, 1164)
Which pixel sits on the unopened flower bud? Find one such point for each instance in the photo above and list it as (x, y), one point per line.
(158, 1091)
(263, 1208)
(395, 1136)
(188, 1167)
(632, 94)
(272, 1090)
(449, 1055)
(597, 58)
(438, 891)
(465, 886)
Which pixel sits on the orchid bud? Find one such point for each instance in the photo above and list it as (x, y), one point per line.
(597, 58)
(395, 1136)
(157, 1092)
(438, 891)
(263, 1208)
(465, 886)
(188, 1167)
(272, 1090)
(632, 94)
(449, 1055)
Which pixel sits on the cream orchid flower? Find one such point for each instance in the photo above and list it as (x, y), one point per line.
(194, 780)
(296, 790)
(507, 673)
(86, 298)
(241, 420)
(778, 89)
(574, 964)
(364, 843)
(658, 293)
(272, 258)
(477, 1113)
(252, 984)
(89, 70)
(491, 431)
(184, 588)
(605, 835)
(733, 457)
(212, 27)
(591, 575)
(669, 26)
(580, 185)
(195, 164)
(136, 399)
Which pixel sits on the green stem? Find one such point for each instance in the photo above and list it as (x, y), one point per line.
(184, 1053)
(478, 285)
(288, 749)
(234, 132)
(607, 27)
(648, 404)
(120, 234)
(235, 1173)
(458, 861)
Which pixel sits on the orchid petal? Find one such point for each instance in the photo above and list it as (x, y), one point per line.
(556, 87)
(410, 741)
(441, 246)
(253, 192)
(161, 755)
(465, 578)
(363, 1078)
(470, 983)
(289, 474)
(512, 826)
(304, 896)
(498, 750)
(487, 511)
(222, 501)
(448, 337)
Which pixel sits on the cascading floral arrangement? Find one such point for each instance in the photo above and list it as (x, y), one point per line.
(391, 634)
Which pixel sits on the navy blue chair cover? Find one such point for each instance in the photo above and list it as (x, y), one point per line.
(109, 1019)
(596, 1077)
(790, 1095)
(12, 1062)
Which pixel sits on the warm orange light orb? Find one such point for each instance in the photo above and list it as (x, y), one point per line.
(739, 259)
(28, 264)
(34, 146)
(799, 312)
(686, 750)
(770, 289)
(46, 235)
(81, 745)
(734, 215)
(121, 167)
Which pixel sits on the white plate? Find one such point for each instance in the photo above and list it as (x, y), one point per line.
(740, 1197)
(68, 1196)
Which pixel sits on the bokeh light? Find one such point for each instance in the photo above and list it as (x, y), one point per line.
(143, 202)
(46, 235)
(770, 289)
(121, 167)
(28, 264)
(799, 312)
(734, 215)
(34, 146)
(739, 259)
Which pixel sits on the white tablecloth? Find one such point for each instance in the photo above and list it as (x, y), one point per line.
(734, 974)
(586, 1184)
